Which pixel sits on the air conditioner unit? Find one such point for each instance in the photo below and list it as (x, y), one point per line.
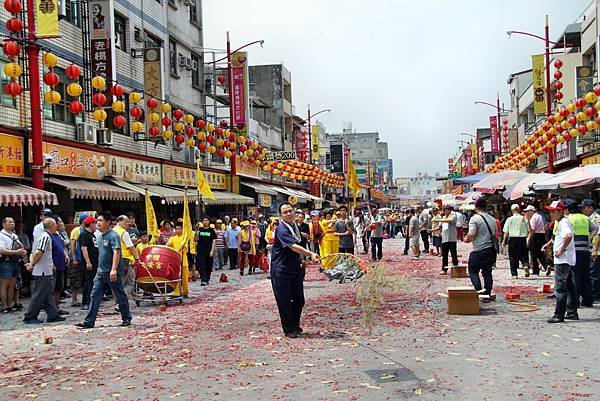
(86, 133)
(138, 35)
(182, 60)
(188, 63)
(62, 9)
(194, 65)
(104, 136)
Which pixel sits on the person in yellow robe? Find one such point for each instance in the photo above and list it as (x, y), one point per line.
(177, 242)
(330, 243)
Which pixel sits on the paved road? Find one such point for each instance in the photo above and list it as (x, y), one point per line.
(226, 344)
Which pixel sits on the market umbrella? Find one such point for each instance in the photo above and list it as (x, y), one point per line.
(576, 177)
(471, 179)
(496, 181)
(447, 199)
(522, 186)
(469, 197)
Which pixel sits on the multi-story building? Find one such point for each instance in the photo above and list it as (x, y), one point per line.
(423, 184)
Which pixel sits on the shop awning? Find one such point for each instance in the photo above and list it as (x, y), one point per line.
(167, 193)
(228, 198)
(13, 194)
(85, 189)
(305, 195)
(262, 188)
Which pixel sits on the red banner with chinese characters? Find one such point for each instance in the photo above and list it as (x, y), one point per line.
(239, 85)
(495, 135)
(102, 46)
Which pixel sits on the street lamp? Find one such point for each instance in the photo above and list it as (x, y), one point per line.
(547, 41)
(310, 158)
(471, 135)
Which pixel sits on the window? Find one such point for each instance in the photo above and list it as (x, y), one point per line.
(196, 71)
(194, 12)
(60, 112)
(152, 40)
(5, 100)
(173, 57)
(72, 12)
(120, 32)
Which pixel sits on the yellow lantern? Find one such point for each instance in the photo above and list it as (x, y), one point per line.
(98, 82)
(254, 145)
(201, 135)
(565, 124)
(189, 119)
(597, 105)
(261, 156)
(179, 126)
(265, 168)
(590, 97)
(257, 162)
(137, 126)
(49, 60)
(571, 107)
(276, 171)
(220, 142)
(228, 154)
(190, 142)
(592, 125)
(100, 115)
(168, 134)
(12, 70)
(118, 106)
(574, 132)
(280, 166)
(153, 117)
(135, 97)
(74, 89)
(212, 149)
(560, 138)
(241, 139)
(244, 158)
(165, 108)
(249, 152)
(552, 131)
(52, 97)
(232, 146)
(293, 176)
(210, 127)
(558, 117)
(581, 116)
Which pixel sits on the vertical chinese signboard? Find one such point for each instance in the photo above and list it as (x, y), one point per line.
(513, 139)
(474, 157)
(102, 48)
(11, 156)
(495, 135)
(239, 85)
(314, 131)
(539, 85)
(47, 19)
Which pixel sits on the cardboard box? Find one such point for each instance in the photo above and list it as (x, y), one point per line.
(463, 301)
(458, 272)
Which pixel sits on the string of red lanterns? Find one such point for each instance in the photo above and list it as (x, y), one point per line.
(12, 49)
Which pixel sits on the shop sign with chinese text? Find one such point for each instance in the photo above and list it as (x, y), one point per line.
(135, 171)
(12, 158)
(73, 162)
(186, 177)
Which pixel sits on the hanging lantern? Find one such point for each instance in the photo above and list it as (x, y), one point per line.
(210, 139)
(212, 149)
(179, 139)
(99, 99)
(12, 70)
(118, 106)
(220, 152)
(14, 25)
(190, 142)
(13, 88)
(166, 121)
(137, 127)
(76, 107)
(200, 124)
(220, 142)
(232, 136)
(189, 131)
(202, 146)
(13, 6)
(223, 123)
(220, 78)
(165, 108)
(153, 131)
(51, 78)
(167, 134)
(52, 97)
(219, 131)
(178, 114)
(189, 119)
(74, 89)
(590, 97)
(49, 60)
(73, 71)
(153, 118)
(135, 112)
(228, 154)
(201, 135)
(119, 121)
(11, 48)
(232, 146)
(210, 127)
(100, 115)
(179, 126)
(152, 103)
(99, 83)
(135, 97)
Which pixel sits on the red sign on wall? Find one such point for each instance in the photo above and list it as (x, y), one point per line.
(495, 137)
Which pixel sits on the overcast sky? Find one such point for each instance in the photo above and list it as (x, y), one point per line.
(410, 70)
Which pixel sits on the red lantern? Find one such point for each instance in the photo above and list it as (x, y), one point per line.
(119, 120)
(597, 90)
(558, 63)
(558, 85)
(166, 121)
(73, 72)
(226, 144)
(554, 141)
(219, 131)
(551, 120)
(135, 112)
(558, 95)
(564, 112)
(223, 123)
(221, 79)
(178, 114)
(210, 139)
(232, 137)
(12, 6)
(567, 136)
(572, 120)
(11, 48)
(582, 128)
(51, 78)
(14, 25)
(558, 74)
(13, 89)
(155, 131)
(189, 131)
(152, 103)
(248, 142)
(76, 107)
(243, 148)
(220, 152)
(590, 111)
(260, 148)
(99, 99)
(179, 139)
(200, 124)
(580, 103)
(202, 146)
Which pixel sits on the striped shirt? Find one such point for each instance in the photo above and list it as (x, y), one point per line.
(220, 242)
(43, 243)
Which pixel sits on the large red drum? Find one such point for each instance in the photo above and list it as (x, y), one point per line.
(158, 263)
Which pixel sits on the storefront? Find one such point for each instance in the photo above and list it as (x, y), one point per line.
(270, 196)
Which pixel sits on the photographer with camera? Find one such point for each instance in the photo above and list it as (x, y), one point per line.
(11, 254)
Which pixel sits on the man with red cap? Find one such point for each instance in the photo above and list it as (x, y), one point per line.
(565, 285)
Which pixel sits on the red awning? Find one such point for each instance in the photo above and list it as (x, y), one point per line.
(12, 194)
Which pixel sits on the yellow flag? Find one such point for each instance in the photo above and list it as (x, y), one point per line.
(151, 224)
(188, 231)
(203, 186)
(47, 19)
(353, 182)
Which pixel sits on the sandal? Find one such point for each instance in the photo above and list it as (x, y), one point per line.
(7, 310)
(18, 306)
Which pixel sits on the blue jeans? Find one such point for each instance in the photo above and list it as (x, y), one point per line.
(565, 289)
(101, 284)
(595, 276)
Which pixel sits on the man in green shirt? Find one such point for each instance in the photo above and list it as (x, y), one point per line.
(516, 230)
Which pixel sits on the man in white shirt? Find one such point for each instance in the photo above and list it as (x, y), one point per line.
(536, 240)
(565, 285)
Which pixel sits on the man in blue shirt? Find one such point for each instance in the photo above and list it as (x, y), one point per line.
(287, 273)
(231, 243)
(109, 273)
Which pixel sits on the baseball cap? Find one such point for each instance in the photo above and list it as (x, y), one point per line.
(529, 208)
(253, 222)
(314, 213)
(556, 205)
(89, 220)
(82, 217)
(46, 212)
(514, 207)
(570, 204)
(587, 202)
